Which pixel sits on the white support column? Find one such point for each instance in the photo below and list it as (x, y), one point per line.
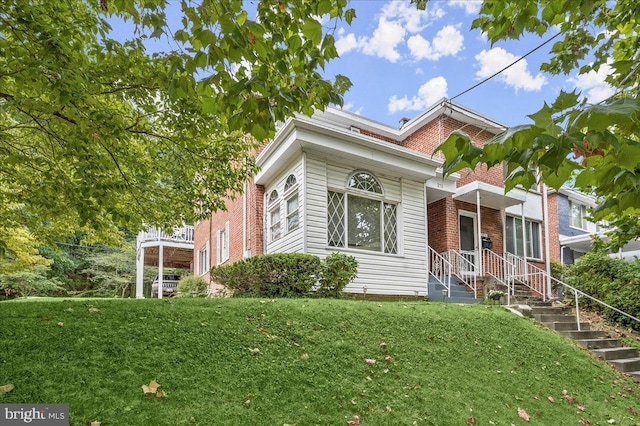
(160, 270)
(140, 274)
(524, 241)
(479, 236)
(547, 258)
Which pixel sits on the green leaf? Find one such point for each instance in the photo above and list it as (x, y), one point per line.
(312, 30)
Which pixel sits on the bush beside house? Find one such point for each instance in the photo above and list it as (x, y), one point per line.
(287, 275)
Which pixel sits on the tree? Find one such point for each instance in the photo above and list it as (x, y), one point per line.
(97, 133)
(595, 146)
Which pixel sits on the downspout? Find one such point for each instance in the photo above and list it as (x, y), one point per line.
(426, 235)
(244, 220)
(545, 212)
(524, 241)
(479, 236)
(210, 254)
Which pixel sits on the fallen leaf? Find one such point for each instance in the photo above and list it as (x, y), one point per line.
(264, 331)
(355, 421)
(370, 361)
(508, 405)
(388, 358)
(353, 401)
(585, 422)
(629, 409)
(95, 423)
(551, 399)
(304, 356)
(151, 388)
(389, 409)
(289, 424)
(255, 351)
(383, 345)
(60, 324)
(92, 309)
(523, 414)
(471, 420)
(568, 397)
(10, 387)
(611, 421)
(580, 407)
(161, 394)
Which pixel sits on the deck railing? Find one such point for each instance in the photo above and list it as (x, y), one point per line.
(179, 234)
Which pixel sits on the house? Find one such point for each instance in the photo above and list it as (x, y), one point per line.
(569, 212)
(341, 182)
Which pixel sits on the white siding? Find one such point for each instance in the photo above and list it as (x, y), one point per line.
(289, 242)
(404, 273)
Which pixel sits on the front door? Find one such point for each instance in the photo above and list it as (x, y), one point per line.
(468, 241)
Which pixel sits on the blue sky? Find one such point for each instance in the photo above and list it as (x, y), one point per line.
(401, 60)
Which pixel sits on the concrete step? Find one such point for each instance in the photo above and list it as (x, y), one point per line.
(551, 310)
(566, 326)
(585, 334)
(466, 300)
(599, 343)
(554, 318)
(635, 374)
(626, 365)
(615, 353)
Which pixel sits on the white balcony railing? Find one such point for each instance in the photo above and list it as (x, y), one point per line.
(182, 234)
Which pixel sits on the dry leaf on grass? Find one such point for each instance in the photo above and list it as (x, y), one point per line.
(551, 399)
(10, 387)
(523, 414)
(388, 358)
(95, 423)
(568, 397)
(629, 409)
(580, 407)
(92, 309)
(370, 361)
(471, 420)
(383, 345)
(585, 422)
(151, 388)
(355, 421)
(304, 356)
(60, 324)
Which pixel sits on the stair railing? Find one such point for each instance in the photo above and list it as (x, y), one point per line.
(440, 269)
(465, 270)
(579, 293)
(529, 275)
(500, 269)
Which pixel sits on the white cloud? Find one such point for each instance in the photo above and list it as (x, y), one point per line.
(419, 71)
(384, 41)
(346, 44)
(428, 94)
(593, 85)
(411, 18)
(447, 42)
(517, 76)
(471, 7)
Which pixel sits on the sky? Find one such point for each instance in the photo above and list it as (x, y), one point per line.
(401, 61)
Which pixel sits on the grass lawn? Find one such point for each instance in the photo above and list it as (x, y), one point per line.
(303, 362)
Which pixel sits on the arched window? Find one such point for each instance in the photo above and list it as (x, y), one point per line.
(290, 183)
(365, 182)
(273, 198)
(273, 204)
(359, 220)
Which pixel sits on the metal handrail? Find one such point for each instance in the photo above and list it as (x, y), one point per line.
(440, 269)
(577, 292)
(463, 269)
(529, 275)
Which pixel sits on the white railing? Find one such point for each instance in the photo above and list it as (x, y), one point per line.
(463, 268)
(578, 293)
(179, 234)
(529, 275)
(440, 269)
(497, 267)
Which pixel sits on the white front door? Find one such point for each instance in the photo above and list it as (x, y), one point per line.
(468, 231)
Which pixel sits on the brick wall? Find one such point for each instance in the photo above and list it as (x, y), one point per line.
(554, 236)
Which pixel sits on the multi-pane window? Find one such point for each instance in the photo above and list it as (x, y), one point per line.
(291, 194)
(515, 242)
(360, 218)
(223, 244)
(274, 216)
(578, 215)
(203, 259)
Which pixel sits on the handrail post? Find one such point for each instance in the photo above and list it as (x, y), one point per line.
(577, 309)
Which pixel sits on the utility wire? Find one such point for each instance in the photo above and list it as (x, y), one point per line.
(505, 68)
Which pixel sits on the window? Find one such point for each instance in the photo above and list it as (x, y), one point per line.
(291, 192)
(578, 214)
(203, 259)
(514, 237)
(274, 216)
(223, 244)
(362, 221)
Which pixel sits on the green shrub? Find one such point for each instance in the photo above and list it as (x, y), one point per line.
(271, 275)
(32, 282)
(338, 270)
(613, 281)
(192, 286)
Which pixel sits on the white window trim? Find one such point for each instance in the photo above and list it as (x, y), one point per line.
(583, 214)
(203, 259)
(222, 255)
(541, 244)
(293, 192)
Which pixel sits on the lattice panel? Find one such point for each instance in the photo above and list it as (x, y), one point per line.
(390, 229)
(335, 219)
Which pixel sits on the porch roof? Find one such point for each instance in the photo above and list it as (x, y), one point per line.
(490, 195)
(583, 243)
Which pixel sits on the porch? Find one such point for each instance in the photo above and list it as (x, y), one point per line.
(163, 250)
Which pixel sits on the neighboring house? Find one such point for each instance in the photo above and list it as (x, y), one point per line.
(568, 212)
(341, 182)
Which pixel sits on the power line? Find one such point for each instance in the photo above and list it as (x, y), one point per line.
(507, 67)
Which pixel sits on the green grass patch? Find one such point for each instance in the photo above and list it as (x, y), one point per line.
(263, 362)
